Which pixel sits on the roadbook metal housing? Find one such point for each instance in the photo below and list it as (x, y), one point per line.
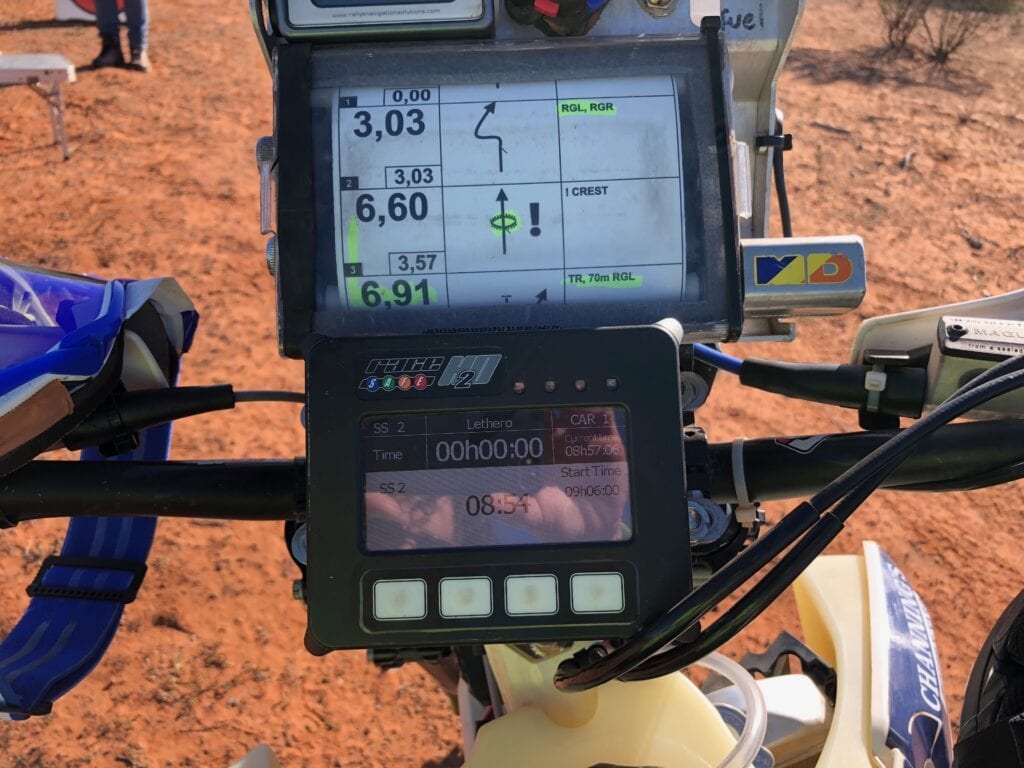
(325, 213)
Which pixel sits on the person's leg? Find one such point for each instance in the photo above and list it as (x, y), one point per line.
(137, 14)
(138, 33)
(110, 34)
(106, 19)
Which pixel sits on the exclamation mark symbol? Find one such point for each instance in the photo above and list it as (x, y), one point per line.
(535, 219)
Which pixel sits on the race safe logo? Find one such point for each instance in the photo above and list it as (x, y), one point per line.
(798, 269)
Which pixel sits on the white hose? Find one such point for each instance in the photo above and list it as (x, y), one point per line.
(752, 738)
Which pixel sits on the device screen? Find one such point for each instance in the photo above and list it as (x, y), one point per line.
(567, 192)
(502, 478)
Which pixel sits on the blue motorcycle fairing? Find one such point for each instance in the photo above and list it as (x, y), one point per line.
(60, 327)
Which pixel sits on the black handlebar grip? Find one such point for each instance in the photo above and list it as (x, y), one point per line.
(787, 467)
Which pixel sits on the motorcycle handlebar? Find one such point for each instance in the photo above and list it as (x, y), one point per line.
(224, 490)
(771, 468)
(786, 468)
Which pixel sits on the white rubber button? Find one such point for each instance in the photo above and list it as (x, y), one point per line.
(466, 597)
(531, 595)
(399, 599)
(597, 593)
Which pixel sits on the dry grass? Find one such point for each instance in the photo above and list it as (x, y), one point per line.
(901, 19)
(947, 30)
(945, 26)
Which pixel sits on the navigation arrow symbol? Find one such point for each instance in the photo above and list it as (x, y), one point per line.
(542, 296)
(503, 198)
(489, 110)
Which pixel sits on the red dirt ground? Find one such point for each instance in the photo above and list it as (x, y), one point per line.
(162, 182)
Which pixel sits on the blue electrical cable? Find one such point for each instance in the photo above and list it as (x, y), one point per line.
(718, 359)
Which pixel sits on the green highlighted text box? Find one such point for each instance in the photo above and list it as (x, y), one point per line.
(571, 107)
(596, 280)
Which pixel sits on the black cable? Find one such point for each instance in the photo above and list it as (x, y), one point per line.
(746, 609)
(269, 396)
(779, 172)
(948, 410)
(130, 412)
(767, 590)
(779, 142)
(992, 383)
(690, 609)
(998, 476)
(799, 557)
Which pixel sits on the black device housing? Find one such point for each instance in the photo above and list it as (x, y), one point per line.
(655, 562)
(306, 76)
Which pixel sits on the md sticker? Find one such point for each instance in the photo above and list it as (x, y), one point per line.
(797, 269)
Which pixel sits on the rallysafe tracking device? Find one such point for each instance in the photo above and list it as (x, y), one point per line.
(494, 487)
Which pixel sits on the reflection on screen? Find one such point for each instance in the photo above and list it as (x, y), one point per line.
(496, 478)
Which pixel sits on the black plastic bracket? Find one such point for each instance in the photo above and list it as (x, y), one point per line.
(883, 360)
(774, 661)
(783, 141)
(126, 595)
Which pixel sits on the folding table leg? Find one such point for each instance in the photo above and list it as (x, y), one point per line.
(55, 100)
(60, 133)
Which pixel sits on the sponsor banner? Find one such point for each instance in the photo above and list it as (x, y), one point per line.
(81, 10)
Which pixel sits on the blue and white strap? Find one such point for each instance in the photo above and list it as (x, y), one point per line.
(61, 638)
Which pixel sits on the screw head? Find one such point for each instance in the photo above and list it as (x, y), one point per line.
(657, 7)
(956, 331)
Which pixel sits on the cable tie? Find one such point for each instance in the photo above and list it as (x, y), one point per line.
(746, 509)
(874, 381)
